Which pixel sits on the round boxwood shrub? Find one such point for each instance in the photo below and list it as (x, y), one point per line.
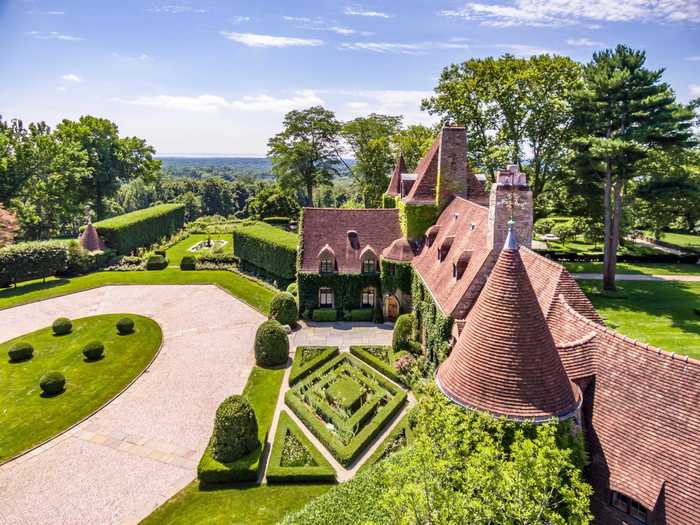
(402, 332)
(188, 262)
(293, 289)
(283, 308)
(235, 429)
(52, 383)
(125, 326)
(156, 262)
(20, 352)
(271, 344)
(62, 326)
(93, 350)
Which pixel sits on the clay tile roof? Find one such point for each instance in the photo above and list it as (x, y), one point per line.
(326, 249)
(395, 182)
(399, 250)
(367, 249)
(505, 361)
(423, 190)
(330, 226)
(90, 239)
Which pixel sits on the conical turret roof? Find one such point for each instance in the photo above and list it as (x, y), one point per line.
(395, 182)
(505, 361)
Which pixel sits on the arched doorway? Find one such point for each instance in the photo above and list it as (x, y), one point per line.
(391, 308)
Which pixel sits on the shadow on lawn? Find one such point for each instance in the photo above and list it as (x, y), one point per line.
(24, 289)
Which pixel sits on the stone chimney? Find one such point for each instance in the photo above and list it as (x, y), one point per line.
(510, 198)
(452, 165)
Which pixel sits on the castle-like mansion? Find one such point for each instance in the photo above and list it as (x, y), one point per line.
(511, 332)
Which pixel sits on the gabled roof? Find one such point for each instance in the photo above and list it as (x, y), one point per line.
(423, 190)
(395, 182)
(330, 226)
(399, 250)
(90, 239)
(505, 361)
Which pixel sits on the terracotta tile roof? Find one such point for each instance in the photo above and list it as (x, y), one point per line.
(395, 182)
(399, 250)
(321, 226)
(423, 190)
(505, 361)
(90, 240)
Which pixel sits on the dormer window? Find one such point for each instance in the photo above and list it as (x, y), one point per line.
(353, 240)
(444, 247)
(431, 234)
(628, 506)
(369, 260)
(326, 265)
(326, 260)
(461, 263)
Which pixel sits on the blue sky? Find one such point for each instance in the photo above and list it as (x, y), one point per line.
(208, 77)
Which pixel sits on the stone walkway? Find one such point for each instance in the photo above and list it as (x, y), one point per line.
(141, 449)
(638, 277)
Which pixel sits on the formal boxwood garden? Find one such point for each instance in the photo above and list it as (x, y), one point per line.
(345, 404)
(30, 418)
(268, 248)
(308, 358)
(379, 357)
(294, 458)
(398, 438)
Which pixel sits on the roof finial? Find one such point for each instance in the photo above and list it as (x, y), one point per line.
(512, 238)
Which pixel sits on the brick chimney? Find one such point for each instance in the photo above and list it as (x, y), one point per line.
(452, 165)
(510, 195)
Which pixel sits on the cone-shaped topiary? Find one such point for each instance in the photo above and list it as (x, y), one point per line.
(20, 352)
(62, 326)
(271, 344)
(93, 350)
(235, 429)
(402, 332)
(52, 383)
(283, 308)
(125, 326)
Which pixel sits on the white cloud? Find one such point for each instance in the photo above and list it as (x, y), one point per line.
(53, 35)
(584, 42)
(320, 24)
(214, 103)
(695, 58)
(388, 102)
(48, 13)
(559, 13)
(694, 90)
(257, 40)
(70, 77)
(240, 19)
(357, 11)
(176, 9)
(404, 48)
(521, 50)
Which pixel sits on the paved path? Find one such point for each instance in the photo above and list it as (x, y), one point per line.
(141, 449)
(638, 277)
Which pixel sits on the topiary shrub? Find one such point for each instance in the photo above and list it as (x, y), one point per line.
(125, 325)
(93, 350)
(283, 308)
(20, 352)
(52, 383)
(271, 344)
(402, 332)
(62, 326)
(156, 262)
(324, 315)
(188, 262)
(293, 289)
(235, 429)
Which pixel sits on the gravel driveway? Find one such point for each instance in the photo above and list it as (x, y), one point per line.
(123, 462)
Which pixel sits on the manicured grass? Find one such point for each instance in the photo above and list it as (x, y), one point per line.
(579, 245)
(658, 313)
(28, 417)
(682, 240)
(176, 252)
(248, 290)
(635, 268)
(251, 505)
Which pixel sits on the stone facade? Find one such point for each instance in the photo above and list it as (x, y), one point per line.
(510, 197)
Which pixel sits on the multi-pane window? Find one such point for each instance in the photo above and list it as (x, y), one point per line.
(326, 265)
(368, 297)
(325, 297)
(628, 506)
(368, 265)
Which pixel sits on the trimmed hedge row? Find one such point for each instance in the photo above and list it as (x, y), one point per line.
(361, 314)
(665, 258)
(156, 262)
(346, 454)
(31, 260)
(400, 437)
(301, 368)
(276, 473)
(324, 315)
(364, 353)
(268, 248)
(141, 228)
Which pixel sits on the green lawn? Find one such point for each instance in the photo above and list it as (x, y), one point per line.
(658, 313)
(682, 240)
(236, 505)
(248, 290)
(28, 418)
(635, 268)
(176, 252)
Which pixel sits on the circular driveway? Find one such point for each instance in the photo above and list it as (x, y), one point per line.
(143, 447)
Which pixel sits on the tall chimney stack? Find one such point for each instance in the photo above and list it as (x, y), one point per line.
(510, 197)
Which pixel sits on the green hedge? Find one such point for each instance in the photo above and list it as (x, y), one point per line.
(346, 454)
(365, 353)
(261, 390)
(400, 280)
(389, 201)
(303, 365)
(266, 247)
(415, 219)
(141, 228)
(430, 320)
(361, 314)
(32, 260)
(276, 473)
(401, 436)
(156, 262)
(324, 315)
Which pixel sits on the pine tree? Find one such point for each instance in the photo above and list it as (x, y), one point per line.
(622, 112)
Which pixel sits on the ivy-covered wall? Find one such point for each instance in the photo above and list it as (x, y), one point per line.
(416, 218)
(347, 289)
(400, 280)
(430, 323)
(389, 201)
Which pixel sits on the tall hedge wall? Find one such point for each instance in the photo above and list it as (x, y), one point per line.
(266, 247)
(347, 288)
(31, 260)
(141, 228)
